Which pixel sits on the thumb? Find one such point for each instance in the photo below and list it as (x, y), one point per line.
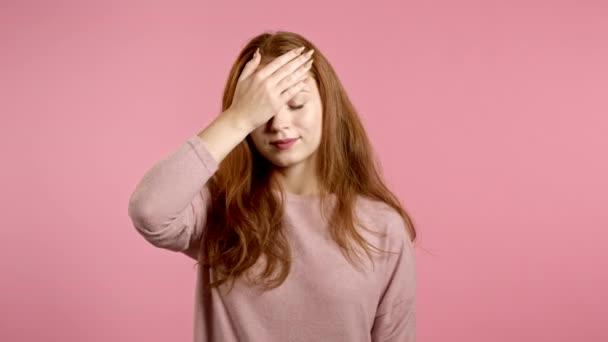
(251, 65)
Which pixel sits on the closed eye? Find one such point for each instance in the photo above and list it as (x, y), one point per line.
(297, 107)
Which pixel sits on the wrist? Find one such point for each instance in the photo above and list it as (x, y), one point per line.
(237, 121)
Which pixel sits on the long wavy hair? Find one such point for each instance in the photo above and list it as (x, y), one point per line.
(245, 216)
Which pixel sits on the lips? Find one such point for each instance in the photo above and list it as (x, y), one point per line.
(284, 144)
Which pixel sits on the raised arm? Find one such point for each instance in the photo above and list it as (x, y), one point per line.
(169, 204)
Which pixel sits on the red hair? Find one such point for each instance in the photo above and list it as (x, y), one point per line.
(244, 221)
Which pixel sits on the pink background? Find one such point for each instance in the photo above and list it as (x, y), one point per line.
(489, 117)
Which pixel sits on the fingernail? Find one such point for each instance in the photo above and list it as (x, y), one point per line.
(300, 49)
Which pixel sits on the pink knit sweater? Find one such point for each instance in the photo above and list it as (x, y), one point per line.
(323, 299)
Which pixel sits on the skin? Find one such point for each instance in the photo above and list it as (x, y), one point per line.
(294, 167)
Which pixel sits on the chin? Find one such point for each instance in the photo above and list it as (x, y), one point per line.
(283, 162)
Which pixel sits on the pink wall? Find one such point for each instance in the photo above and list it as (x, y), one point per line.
(489, 117)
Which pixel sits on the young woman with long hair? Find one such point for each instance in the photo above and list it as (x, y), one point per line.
(280, 201)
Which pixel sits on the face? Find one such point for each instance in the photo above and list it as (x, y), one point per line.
(301, 118)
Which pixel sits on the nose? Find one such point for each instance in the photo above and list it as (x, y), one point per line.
(280, 120)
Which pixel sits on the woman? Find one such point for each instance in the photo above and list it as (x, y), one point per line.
(274, 199)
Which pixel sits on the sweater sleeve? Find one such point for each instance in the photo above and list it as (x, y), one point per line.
(395, 319)
(169, 204)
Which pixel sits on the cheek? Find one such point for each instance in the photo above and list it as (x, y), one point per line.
(256, 138)
(309, 120)
(257, 134)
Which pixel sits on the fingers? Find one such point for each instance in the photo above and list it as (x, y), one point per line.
(294, 77)
(279, 62)
(251, 65)
(291, 92)
(288, 73)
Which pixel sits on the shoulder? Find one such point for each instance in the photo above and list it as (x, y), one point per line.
(381, 217)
